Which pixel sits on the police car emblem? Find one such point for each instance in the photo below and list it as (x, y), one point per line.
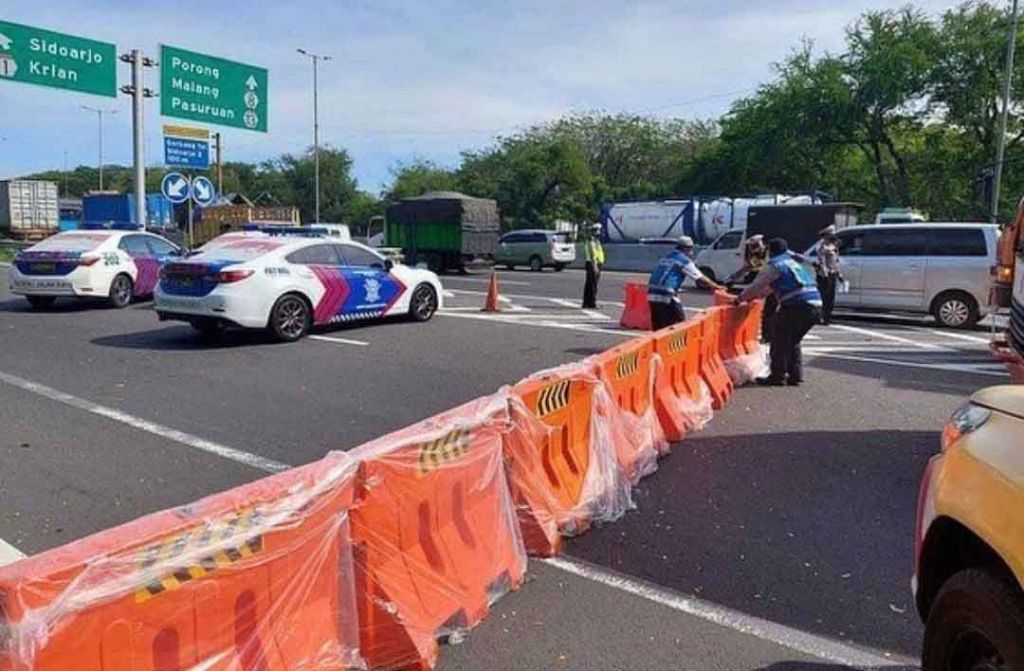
(372, 287)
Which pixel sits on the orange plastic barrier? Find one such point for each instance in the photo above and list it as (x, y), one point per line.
(739, 339)
(637, 313)
(435, 533)
(560, 456)
(258, 578)
(712, 369)
(628, 372)
(681, 398)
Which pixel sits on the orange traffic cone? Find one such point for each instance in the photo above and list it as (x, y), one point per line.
(492, 295)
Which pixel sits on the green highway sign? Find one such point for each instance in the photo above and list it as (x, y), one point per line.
(212, 90)
(36, 56)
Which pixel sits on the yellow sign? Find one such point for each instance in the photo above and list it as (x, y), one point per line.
(187, 131)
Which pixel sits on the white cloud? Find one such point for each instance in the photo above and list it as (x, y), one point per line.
(424, 79)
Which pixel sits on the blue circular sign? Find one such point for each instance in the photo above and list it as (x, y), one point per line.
(175, 188)
(203, 191)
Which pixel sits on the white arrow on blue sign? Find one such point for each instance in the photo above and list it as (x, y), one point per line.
(203, 191)
(175, 187)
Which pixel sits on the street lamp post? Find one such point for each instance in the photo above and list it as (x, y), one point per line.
(99, 117)
(315, 58)
(1011, 46)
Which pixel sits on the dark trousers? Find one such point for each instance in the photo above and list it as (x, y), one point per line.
(666, 314)
(771, 309)
(791, 325)
(827, 289)
(590, 286)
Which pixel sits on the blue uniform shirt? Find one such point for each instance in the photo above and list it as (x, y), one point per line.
(668, 276)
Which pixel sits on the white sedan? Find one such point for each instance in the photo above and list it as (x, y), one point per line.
(114, 264)
(286, 283)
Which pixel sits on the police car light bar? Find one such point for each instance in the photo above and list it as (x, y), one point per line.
(298, 231)
(110, 226)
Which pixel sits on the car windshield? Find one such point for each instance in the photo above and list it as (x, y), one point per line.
(560, 238)
(71, 242)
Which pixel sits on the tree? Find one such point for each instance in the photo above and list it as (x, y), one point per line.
(418, 177)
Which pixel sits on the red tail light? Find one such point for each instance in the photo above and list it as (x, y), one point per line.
(88, 260)
(229, 276)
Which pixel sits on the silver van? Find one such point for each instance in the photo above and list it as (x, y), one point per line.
(937, 268)
(535, 248)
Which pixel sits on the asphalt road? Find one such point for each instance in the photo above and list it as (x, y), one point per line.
(779, 538)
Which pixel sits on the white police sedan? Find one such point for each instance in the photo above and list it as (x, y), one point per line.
(113, 263)
(289, 280)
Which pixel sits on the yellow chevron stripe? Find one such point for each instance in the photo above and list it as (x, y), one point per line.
(626, 365)
(677, 343)
(448, 448)
(552, 398)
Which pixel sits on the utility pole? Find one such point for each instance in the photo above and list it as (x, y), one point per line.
(64, 174)
(220, 165)
(1011, 47)
(99, 117)
(315, 58)
(139, 93)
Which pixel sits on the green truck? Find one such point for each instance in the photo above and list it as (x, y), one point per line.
(443, 229)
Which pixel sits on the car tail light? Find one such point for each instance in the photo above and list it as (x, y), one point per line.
(88, 260)
(967, 418)
(229, 276)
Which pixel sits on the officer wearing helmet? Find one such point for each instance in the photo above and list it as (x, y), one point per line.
(667, 279)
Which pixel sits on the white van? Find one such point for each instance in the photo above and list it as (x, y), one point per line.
(937, 268)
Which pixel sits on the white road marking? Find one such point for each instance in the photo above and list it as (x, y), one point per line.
(973, 369)
(527, 297)
(889, 336)
(501, 318)
(960, 336)
(804, 642)
(564, 302)
(447, 294)
(187, 439)
(343, 341)
(8, 553)
(512, 307)
(486, 280)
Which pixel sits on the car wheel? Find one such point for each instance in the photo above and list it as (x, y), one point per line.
(536, 264)
(120, 294)
(975, 624)
(423, 303)
(559, 267)
(956, 309)
(207, 328)
(289, 318)
(41, 302)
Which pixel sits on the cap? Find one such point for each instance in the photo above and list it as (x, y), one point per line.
(685, 241)
(595, 227)
(828, 230)
(755, 239)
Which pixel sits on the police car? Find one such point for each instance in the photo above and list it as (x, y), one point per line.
(289, 280)
(113, 263)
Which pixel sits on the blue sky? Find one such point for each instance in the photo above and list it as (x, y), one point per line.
(417, 79)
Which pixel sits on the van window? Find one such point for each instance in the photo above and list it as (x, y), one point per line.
(513, 238)
(957, 242)
(730, 240)
(851, 243)
(896, 242)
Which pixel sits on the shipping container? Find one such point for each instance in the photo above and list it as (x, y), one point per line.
(28, 209)
(120, 207)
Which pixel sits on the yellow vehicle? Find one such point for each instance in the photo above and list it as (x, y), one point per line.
(969, 546)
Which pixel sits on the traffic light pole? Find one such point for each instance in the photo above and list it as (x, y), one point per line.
(139, 93)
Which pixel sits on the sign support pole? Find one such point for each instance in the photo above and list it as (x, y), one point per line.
(191, 230)
(139, 93)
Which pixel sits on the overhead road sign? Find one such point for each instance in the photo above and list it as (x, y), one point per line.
(175, 187)
(186, 147)
(36, 56)
(203, 191)
(212, 90)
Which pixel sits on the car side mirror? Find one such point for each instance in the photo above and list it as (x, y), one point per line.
(388, 265)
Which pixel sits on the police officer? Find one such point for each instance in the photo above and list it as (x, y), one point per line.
(796, 291)
(593, 258)
(666, 280)
(828, 271)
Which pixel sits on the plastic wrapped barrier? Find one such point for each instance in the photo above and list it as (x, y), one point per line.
(435, 534)
(628, 372)
(739, 340)
(712, 368)
(681, 398)
(561, 457)
(255, 578)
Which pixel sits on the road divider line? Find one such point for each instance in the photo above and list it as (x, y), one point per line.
(804, 642)
(344, 341)
(956, 368)
(528, 297)
(8, 553)
(486, 280)
(960, 336)
(888, 336)
(187, 439)
(507, 319)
